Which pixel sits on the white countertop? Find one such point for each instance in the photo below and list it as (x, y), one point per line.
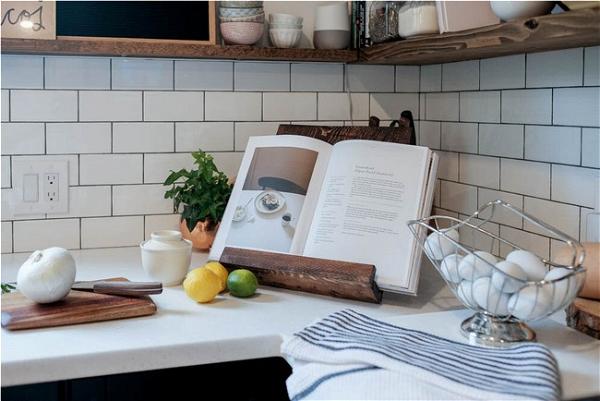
(183, 333)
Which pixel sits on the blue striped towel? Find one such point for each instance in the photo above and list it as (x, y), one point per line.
(348, 355)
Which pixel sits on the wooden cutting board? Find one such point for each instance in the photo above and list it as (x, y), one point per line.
(584, 315)
(20, 313)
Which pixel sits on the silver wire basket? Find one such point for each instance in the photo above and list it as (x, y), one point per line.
(467, 255)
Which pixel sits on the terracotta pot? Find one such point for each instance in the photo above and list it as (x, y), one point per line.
(202, 236)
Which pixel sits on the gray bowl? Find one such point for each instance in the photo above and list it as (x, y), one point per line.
(331, 39)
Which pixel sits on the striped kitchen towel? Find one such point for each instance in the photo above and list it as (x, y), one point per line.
(350, 356)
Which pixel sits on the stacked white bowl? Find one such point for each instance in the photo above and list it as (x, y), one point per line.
(285, 30)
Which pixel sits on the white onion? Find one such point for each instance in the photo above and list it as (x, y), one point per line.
(47, 276)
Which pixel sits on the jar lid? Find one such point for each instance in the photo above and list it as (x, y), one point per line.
(164, 240)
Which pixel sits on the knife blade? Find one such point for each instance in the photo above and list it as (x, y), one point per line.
(124, 288)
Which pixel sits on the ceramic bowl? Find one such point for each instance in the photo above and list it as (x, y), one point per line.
(239, 12)
(166, 257)
(285, 38)
(273, 25)
(242, 33)
(241, 4)
(508, 10)
(289, 19)
(256, 18)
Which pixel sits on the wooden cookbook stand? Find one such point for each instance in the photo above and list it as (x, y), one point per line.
(321, 276)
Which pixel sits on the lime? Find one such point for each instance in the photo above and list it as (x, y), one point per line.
(220, 271)
(242, 283)
(202, 285)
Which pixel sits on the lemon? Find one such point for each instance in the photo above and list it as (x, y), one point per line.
(242, 283)
(202, 285)
(220, 271)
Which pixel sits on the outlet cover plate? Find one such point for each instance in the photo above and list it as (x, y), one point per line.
(23, 171)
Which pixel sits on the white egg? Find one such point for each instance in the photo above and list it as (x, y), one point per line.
(531, 264)
(489, 297)
(438, 246)
(530, 302)
(504, 281)
(464, 292)
(563, 291)
(449, 268)
(474, 266)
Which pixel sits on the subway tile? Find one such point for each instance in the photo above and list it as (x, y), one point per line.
(23, 138)
(336, 106)
(478, 170)
(577, 106)
(445, 223)
(431, 78)
(370, 78)
(532, 242)
(429, 134)
(476, 240)
(436, 194)
(421, 106)
(389, 106)
(555, 68)
(87, 202)
(203, 75)
(441, 106)
(503, 72)
(228, 162)
(313, 77)
(72, 160)
(106, 232)
(37, 105)
(501, 140)
(591, 68)
(67, 138)
(208, 136)
(110, 169)
(77, 73)
(243, 131)
(480, 106)
(589, 225)
(5, 105)
(6, 172)
(110, 106)
(7, 245)
(160, 222)
(173, 106)
(158, 166)
(140, 199)
(39, 234)
(462, 75)
(143, 137)
(523, 177)
(458, 197)
(232, 106)
(22, 72)
(576, 185)
(289, 106)
(530, 106)
(559, 215)
(501, 215)
(261, 76)
(407, 78)
(553, 144)
(459, 137)
(590, 147)
(448, 166)
(134, 73)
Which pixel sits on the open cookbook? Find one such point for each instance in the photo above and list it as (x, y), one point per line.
(348, 202)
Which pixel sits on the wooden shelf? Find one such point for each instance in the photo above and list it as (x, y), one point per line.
(549, 32)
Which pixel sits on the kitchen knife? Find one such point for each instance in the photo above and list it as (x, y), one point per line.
(124, 288)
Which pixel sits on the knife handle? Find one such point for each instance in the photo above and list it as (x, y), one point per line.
(127, 288)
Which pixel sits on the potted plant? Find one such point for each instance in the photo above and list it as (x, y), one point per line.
(203, 193)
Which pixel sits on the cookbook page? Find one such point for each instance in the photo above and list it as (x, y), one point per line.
(274, 196)
(370, 190)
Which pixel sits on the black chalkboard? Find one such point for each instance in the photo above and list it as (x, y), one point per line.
(175, 20)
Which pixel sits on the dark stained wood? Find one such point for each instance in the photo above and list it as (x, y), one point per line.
(318, 276)
(558, 31)
(333, 135)
(584, 315)
(20, 313)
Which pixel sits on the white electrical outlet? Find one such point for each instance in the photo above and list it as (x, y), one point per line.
(40, 186)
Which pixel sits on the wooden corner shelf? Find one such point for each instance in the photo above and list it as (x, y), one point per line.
(549, 32)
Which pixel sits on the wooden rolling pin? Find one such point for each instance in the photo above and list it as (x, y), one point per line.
(591, 285)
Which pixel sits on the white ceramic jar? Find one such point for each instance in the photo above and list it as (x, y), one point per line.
(166, 257)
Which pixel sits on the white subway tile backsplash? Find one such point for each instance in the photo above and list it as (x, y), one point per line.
(203, 75)
(5, 105)
(458, 197)
(407, 78)
(442, 106)
(553, 144)
(448, 166)
(389, 106)
(503, 72)
(39, 234)
(110, 169)
(64, 138)
(591, 68)
(312, 77)
(160, 222)
(590, 147)
(77, 73)
(289, 106)
(132, 73)
(577, 185)
(531, 106)
(422, 106)
(72, 160)
(5, 171)
(243, 131)
(523, 177)
(482, 171)
(228, 162)
(23, 138)
(370, 78)
(577, 106)
(110, 106)
(158, 166)
(7, 233)
(173, 106)
(562, 216)
(261, 76)
(459, 137)
(532, 242)
(501, 140)
(22, 71)
(105, 232)
(336, 106)
(38, 105)
(140, 199)
(232, 106)
(431, 78)
(143, 137)
(87, 202)
(463, 75)
(480, 106)
(555, 68)
(208, 136)
(501, 215)
(430, 134)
